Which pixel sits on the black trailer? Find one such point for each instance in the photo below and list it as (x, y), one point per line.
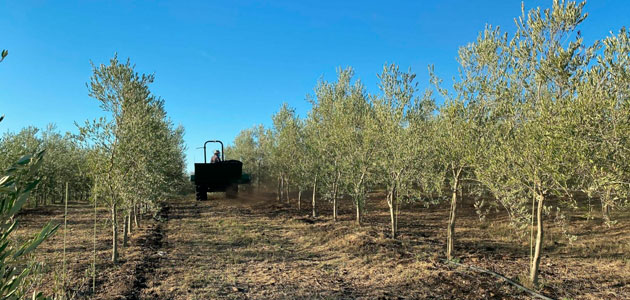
(223, 176)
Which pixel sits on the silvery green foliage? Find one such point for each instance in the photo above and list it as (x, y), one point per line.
(333, 133)
(341, 135)
(285, 149)
(325, 119)
(244, 149)
(253, 147)
(135, 153)
(531, 154)
(397, 110)
(602, 111)
(136, 146)
(66, 162)
(15, 187)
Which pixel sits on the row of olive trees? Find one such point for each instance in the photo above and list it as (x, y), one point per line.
(130, 160)
(66, 162)
(130, 163)
(135, 155)
(253, 146)
(531, 117)
(74, 161)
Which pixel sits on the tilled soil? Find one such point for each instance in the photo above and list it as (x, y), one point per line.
(255, 247)
(113, 281)
(127, 279)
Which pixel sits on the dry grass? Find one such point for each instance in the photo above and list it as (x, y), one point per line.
(257, 248)
(112, 281)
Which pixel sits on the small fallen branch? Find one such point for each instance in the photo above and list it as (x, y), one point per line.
(497, 275)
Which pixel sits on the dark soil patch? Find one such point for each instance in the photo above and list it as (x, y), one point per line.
(128, 279)
(151, 254)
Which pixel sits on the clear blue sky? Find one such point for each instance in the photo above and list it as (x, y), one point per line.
(223, 66)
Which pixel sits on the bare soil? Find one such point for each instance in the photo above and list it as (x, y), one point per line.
(255, 247)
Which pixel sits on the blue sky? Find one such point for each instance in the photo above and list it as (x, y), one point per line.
(223, 66)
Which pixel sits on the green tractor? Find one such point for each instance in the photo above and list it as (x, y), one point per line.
(221, 176)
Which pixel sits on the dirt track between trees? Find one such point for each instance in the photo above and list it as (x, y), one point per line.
(238, 249)
(256, 248)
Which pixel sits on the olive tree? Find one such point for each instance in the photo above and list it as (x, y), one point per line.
(303, 167)
(532, 156)
(465, 120)
(396, 145)
(602, 115)
(286, 133)
(327, 133)
(312, 154)
(359, 131)
(120, 92)
(244, 150)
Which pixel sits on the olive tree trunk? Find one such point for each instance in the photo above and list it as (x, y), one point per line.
(287, 190)
(135, 215)
(359, 196)
(605, 213)
(334, 199)
(125, 230)
(114, 233)
(358, 217)
(450, 231)
(533, 275)
(606, 207)
(279, 190)
(129, 220)
(314, 195)
(299, 199)
(392, 202)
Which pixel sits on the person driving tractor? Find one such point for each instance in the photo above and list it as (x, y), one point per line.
(215, 158)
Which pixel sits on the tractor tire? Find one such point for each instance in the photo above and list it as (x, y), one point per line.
(232, 191)
(201, 192)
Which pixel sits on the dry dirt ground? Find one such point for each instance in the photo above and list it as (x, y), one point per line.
(111, 281)
(255, 247)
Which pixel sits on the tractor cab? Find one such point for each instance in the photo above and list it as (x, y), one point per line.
(222, 176)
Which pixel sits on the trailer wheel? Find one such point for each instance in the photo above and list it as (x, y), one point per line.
(201, 192)
(232, 191)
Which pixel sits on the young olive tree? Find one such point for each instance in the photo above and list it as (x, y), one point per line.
(244, 150)
(303, 168)
(325, 125)
(533, 157)
(286, 133)
(312, 154)
(466, 118)
(396, 147)
(120, 92)
(360, 133)
(253, 147)
(603, 119)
